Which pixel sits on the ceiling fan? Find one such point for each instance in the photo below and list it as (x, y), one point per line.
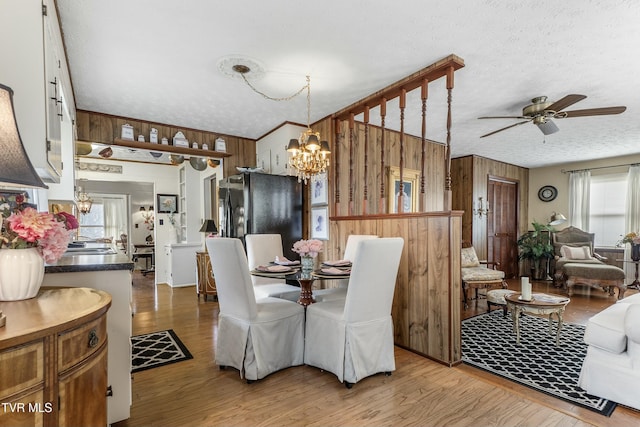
(540, 112)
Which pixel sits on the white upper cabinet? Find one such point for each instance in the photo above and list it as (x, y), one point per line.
(34, 66)
(271, 151)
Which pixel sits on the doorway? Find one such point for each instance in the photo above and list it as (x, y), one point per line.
(503, 195)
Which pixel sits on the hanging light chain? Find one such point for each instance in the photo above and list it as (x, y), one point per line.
(264, 95)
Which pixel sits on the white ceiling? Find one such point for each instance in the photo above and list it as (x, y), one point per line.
(156, 60)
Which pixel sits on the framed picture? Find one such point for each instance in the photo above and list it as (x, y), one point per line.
(320, 222)
(319, 191)
(167, 203)
(410, 196)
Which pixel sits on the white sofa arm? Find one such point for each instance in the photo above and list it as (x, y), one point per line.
(632, 330)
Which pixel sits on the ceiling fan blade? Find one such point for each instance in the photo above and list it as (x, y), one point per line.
(548, 127)
(505, 128)
(565, 102)
(503, 117)
(592, 112)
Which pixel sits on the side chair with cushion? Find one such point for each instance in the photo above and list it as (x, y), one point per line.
(477, 276)
(255, 337)
(353, 337)
(350, 251)
(261, 250)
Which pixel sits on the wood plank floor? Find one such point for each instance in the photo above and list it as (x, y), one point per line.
(419, 393)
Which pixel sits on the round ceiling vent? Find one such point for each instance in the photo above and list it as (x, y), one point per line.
(236, 66)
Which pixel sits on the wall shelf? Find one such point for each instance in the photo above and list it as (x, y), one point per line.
(161, 148)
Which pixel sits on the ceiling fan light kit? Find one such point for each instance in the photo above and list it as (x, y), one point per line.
(540, 112)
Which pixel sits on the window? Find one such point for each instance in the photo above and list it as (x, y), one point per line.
(92, 223)
(607, 208)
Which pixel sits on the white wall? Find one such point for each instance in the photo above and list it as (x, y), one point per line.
(165, 180)
(541, 211)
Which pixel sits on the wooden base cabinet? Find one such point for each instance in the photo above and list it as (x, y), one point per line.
(53, 359)
(206, 281)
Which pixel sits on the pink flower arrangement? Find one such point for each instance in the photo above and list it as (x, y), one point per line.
(25, 227)
(310, 247)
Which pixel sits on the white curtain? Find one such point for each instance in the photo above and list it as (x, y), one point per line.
(579, 190)
(632, 215)
(115, 218)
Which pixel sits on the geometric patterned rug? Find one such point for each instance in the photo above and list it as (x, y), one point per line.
(157, 349)
(489, 343)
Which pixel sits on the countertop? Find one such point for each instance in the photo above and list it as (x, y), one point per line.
(72, 262)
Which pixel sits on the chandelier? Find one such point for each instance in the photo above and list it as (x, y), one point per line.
(308, 156)
(83, 202)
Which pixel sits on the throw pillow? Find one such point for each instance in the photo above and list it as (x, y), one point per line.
(582, 252)
(469, 258)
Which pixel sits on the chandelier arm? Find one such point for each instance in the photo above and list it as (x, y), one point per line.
(286, 98)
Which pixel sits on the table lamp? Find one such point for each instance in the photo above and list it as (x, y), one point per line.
(16, 169)
(209, 226)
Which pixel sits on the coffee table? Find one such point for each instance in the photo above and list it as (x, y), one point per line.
(539, 304)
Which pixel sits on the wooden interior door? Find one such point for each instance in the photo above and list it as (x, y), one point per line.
(502, 224)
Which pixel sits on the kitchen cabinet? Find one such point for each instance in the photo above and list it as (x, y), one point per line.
(53, 362)
(271, 151)
(32, 50)
(180, 268)
(110, 274)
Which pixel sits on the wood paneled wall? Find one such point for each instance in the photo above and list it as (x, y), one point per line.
(104, 128)
(426, 304)
(470, 176)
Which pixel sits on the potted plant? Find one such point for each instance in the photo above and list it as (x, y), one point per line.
(536, 246)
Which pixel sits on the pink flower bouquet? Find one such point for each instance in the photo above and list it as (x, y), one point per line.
(25, 227)
(310, 247)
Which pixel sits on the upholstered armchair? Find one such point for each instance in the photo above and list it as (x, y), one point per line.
(478, 275)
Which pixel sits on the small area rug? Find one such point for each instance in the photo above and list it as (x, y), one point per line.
(157, 349)
(489, 343)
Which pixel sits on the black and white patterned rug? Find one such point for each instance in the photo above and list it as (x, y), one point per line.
(489, 343)
(157, 349)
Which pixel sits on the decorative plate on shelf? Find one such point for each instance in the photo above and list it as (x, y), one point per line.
(547, 193)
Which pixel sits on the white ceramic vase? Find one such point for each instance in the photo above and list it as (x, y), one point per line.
(21, 273)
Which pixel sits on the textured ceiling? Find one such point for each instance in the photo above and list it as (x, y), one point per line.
(156, 60)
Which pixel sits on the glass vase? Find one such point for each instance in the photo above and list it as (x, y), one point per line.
(307, 263)
(21, 273)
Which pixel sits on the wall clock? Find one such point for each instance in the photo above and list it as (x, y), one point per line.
(547, 193)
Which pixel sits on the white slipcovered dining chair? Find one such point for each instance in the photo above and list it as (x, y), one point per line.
(255, 337)
(353, 337)
(350, 251)
(261, 250)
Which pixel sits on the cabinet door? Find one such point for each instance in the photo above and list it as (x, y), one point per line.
(54, 100)
(83, 393)
(26, 411)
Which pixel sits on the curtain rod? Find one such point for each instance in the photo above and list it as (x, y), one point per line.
(600, 167)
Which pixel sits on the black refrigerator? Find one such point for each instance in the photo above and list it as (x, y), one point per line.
(257, 203)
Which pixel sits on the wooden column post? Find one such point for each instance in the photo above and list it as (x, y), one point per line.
(336, 185)
(383, 113)
(403, 104)
(423, 96)
(447, 167)
(365, 202)
(351, 131)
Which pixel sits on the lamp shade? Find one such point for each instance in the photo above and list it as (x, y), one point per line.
(557, 219)
(209, 226)
(15, 167)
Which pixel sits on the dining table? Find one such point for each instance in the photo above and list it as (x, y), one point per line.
(304, 279)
